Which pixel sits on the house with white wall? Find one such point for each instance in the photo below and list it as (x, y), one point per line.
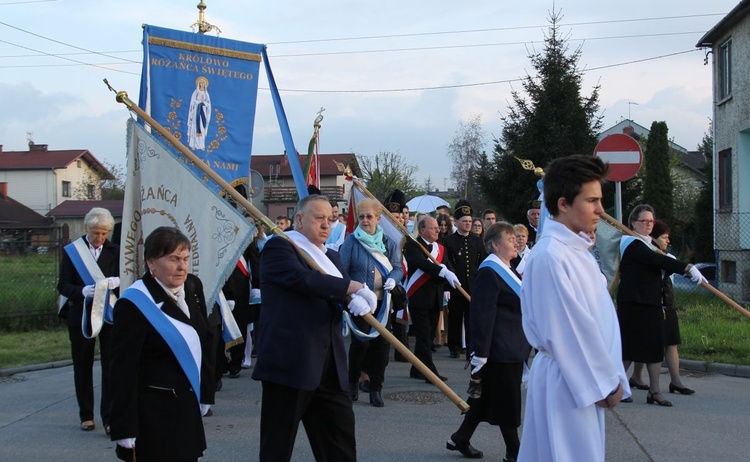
(728, 43)
(42, 179)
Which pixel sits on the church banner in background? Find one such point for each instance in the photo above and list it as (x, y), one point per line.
(203, 89)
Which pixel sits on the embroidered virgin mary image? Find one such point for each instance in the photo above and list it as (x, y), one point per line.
(199, 115)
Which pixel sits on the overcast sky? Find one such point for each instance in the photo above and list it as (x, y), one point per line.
(441, 62)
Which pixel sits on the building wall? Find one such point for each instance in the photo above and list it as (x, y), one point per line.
(33, 188)
(732, 131)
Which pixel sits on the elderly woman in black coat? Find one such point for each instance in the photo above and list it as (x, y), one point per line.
(499, 347)
(640, 298)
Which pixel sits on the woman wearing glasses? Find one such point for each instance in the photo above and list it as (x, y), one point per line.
(374, 260)
(640, 298)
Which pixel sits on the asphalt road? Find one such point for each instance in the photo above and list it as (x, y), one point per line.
(38, 421)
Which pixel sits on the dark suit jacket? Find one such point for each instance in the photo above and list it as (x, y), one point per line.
(465, 253)
(167, 425)
(300, 320)
(430, 295)
(640, 274)
(495, 321)
(70, 283)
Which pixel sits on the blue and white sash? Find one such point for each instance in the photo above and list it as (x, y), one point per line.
(504, 271)
(384, 267)
(625, 241)
(182, 338)
(103, 299)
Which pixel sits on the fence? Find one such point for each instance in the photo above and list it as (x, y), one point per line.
(30, 262)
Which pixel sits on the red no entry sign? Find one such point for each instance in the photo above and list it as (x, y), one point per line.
(623, 154)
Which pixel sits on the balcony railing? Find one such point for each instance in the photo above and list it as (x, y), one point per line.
(289, 193)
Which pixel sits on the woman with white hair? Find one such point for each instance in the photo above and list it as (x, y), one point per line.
(89, 270)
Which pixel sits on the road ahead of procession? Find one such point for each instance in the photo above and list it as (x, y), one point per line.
(38, 421)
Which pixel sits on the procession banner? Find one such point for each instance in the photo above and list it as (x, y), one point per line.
(162, 191)
(203, 89)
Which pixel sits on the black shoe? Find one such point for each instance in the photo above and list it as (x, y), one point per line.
(627, 400)
(365, 386)
(234, 374)
(655, 398)
(441, 377)
(219, 385)
(634, 384)
(88, 426)
(468, 451)
(415, 374)
(353, 391)
(684, 390)
(454, 354)
(375, 399)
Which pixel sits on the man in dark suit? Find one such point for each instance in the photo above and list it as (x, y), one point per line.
(533, 214)
(301, 355)
(156, 393)
(91, 251)
(425, 289)
(465, 251)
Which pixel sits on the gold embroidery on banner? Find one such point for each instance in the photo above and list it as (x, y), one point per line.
(204, 49)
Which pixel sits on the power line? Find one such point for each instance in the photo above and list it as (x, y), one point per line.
(62, 43)
(477, 45)
(497, 29)
(477, 84)
(27, 1)
(67, 59)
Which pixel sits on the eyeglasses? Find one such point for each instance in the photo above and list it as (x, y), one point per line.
(646, 222)
(369, 217)
(433, 228)
(476, 226)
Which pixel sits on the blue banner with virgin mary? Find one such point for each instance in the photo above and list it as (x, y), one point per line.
(203, 89)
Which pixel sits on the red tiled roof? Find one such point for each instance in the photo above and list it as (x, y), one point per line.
(72, 208)
(262, 163)
(14, 214)
(39, 158)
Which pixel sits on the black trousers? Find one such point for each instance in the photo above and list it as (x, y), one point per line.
(82, 351)
(399, 331)
(237, 353)
(370, 357)
(325, 412)
(458, 316)
(423, 335)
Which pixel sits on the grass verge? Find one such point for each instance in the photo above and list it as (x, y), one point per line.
(34, 347)
(711, 330)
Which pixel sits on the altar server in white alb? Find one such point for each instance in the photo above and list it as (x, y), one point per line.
(569, 317)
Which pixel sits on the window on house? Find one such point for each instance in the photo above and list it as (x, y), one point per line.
(290, 213)
(728, 271)
(725, 69)
(90, 191)
(725, 179)
(66, 188)
(78, 163)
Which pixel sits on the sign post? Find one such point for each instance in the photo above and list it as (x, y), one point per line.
(625, 159)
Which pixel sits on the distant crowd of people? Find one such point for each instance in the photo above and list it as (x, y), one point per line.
(503, 293)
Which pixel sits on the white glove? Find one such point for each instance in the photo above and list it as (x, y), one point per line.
(446, 297)
(389, 284)
(113, 283)
(127, 443)
(477, 363)
(254, 296)
(204, 409)
(231, 304)
(358, 306)
(696, 276)
(88, 291)
(449, 276)
(370, 297)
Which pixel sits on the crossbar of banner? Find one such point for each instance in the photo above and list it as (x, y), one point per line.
(122, 97)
